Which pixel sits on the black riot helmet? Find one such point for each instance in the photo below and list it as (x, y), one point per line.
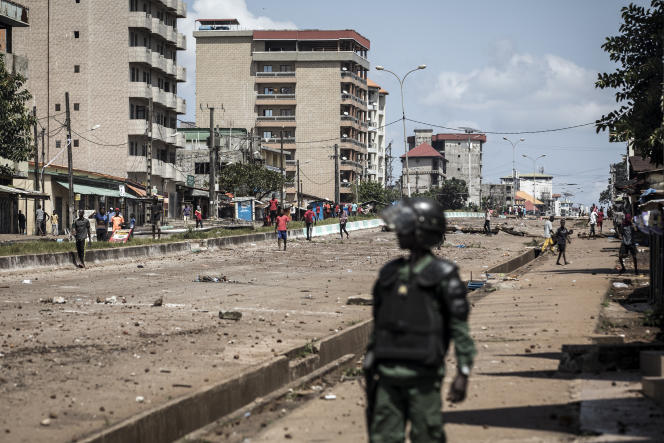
(422, 217)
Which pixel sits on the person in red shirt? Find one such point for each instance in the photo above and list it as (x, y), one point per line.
(281, 228)
(600, 219)
(318, 210)
(273, 208)
(309, 220)
(336, 210)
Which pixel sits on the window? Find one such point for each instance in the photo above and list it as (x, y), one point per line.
(76, 143)
(133, 39)
(267, 68)
(268, 91)
(267, 134)
(134, 74)
(57, 107)
(286, 68)
(58, 144)
(133, 5)
(77, 34)
(77, 106)
(267, 112)
(287, 112)
(137, 150)
(78, 1)
(77, 69)
(201, 168)
(140, 112)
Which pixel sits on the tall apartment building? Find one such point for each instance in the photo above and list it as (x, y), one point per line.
(308, 86)
(463, 157)
(116, 59)
(376, 119)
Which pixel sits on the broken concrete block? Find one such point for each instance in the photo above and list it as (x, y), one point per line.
(363, 301)
(652, 363)
(230, 315)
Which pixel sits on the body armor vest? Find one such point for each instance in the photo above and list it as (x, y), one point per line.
(409, 321)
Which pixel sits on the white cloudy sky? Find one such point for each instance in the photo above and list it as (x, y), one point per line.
(508, 66)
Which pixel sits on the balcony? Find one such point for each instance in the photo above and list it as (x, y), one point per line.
(275, 77)
(179, 140)
(140, 90)
(181, 9)
(137, 127)
(168, 170)
(170, 4)
(171, 67)
(158, 61)
(170, 100)
(140, 54)
(181, 41)
(16, 64)
(13, 14)
(136, 164)
(285, 121)
(138, 19)
(353, 142)
(171, 35)
(181, 106)
(272, 99)
(158, 27)
(311, 56)
(277, 140)
(372, 148)
(347, 74)
(350, 99)
(181, 73)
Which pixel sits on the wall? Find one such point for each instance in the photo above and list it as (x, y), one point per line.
(456, 154)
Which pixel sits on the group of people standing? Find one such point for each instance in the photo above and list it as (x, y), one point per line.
(559, 238)
(198, 215)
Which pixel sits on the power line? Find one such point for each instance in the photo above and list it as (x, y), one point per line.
(505, 133)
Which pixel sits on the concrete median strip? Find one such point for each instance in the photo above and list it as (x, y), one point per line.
(179, 417)
(61, 259)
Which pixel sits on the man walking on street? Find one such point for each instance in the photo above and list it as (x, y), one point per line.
(156, 218)
(41, 217)
(198, 215)
(548, 235)
(101, 222)
(562, 236)
(21, 222)
(308, 221)
(54, 224)
(81, 230)
(593, 222)
(419, 306)
(343, 219)
(281, 228)
(186, 214)
(487, 222)
(627, 246)
(273, 209)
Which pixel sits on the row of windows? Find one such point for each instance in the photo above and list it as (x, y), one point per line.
(140, 149)
(139, 112)
(270, 134)
(283, 90)
(140, 75)
(77, 107)
(283, 112)
(58, 143)
(282, 68)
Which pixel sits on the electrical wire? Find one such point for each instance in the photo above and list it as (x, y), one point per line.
(502, 132)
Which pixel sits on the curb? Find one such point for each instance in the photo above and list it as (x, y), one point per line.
(515, 263)
(180, 417)
(61, 259)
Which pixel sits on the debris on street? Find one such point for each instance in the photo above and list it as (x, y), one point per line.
(230, 315)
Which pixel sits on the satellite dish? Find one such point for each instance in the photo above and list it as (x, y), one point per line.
(345, 135)
(344, 69)
(345, 92)
(345, 112)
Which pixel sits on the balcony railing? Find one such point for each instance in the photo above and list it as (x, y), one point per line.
(351, 163)
(278, 140)
(291, 162)
(345, 96)
(353, 141)
(276, 74)
(276, 96)
(349, 118)
(276, 118)
(353, 75)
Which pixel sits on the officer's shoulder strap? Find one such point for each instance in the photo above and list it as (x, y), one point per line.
(436, 271)
(391, 268)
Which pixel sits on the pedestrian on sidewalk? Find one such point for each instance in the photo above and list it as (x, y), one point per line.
(199, 217)
(155, 213)
(562, 238)
(487, 222)
(101, 223)
(419, 304)
(627, 245)
(21, 222)
(281, 228)
(116, 222)
(353, 209)
(548, 236)
(600, 219)
(593, 222)
(81, 230)
(186, 214)
(343, 219)
(41, 218)
(273, 209)
(54, 224)
(308, 221)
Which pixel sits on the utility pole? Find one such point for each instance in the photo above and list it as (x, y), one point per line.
(148, 164)
(299, 191)
(70, 170)
(43, 161)
(337, 197)
(213, 168)
(36, 153)
(281, 162)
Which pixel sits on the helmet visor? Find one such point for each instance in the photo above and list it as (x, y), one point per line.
(400, 218)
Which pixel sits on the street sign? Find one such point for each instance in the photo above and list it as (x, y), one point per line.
(190, 181)
(122, 190)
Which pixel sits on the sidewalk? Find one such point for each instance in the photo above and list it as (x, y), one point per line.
(516, 392)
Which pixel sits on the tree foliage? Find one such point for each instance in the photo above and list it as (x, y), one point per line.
(638, 51)
(451, 194)
(250, 180)
(374, 191)
(605, 196)
(15, 119)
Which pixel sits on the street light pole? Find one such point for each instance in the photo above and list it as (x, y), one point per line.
(514, 165)
(403, 117)
(534, 160)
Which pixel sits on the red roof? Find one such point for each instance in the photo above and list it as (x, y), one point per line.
(345, 34)
(440, 137)
(423, 150)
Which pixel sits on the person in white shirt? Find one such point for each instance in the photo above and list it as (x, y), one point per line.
(593, 222)
(548, 237)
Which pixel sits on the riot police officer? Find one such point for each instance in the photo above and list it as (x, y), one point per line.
(419, 306)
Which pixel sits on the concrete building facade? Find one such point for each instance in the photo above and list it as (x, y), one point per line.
(539, 185)
(425, 169)
(376, 166)
(463, 157)
(117, 60)
(308, 88)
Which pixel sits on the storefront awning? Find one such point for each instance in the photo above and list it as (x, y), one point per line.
(199, 193)
(94, 190)
(139, 191)
(24, 193)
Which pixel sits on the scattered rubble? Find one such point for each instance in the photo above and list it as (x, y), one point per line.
(230, 315)
(362, 301)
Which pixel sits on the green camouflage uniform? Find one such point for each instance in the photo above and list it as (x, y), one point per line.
(408, 391)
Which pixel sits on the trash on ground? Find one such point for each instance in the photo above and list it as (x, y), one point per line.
(330, 397)
(140, 399)
(460, 246)
(362, 301)
(619, 284)
(54, 300)
(158, 302)
(27, 282)
(230, 315)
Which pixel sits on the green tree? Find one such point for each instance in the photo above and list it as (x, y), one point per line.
(15, 119)
(250, 180)
(638, 51)
(451, 194)
(605, 196)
